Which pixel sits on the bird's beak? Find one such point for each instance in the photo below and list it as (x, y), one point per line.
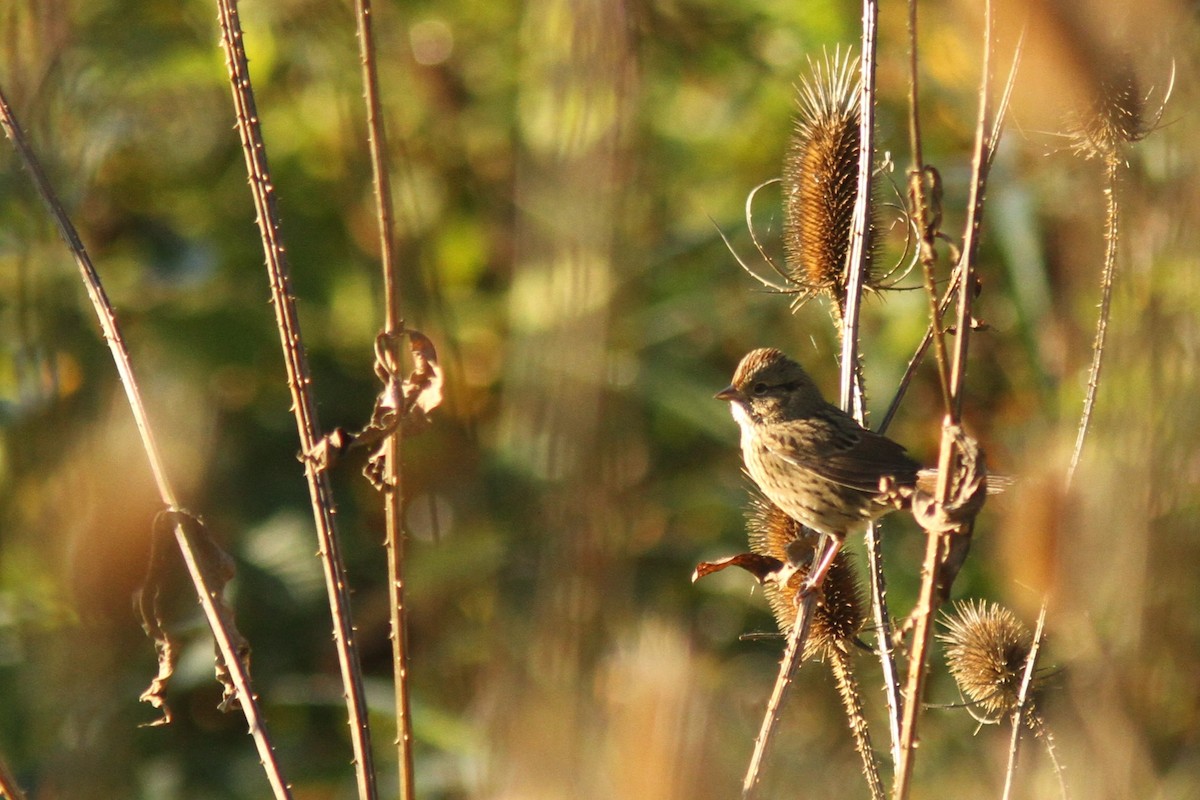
(729, 394)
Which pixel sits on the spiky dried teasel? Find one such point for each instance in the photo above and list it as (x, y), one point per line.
(820, 179)
(840, 611)
(987, 648)
(1115, 114)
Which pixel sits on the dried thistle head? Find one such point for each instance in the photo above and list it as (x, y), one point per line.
(1114, 116)
(840, 611)
(820, 177)
(986, 650)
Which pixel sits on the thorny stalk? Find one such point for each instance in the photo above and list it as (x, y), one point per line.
(393, 328)
(848, 688)
(851, 398)
(851, 393)
(792, 656)
(926, 219)
(299, 382)
(1111, 225)
(1019, 714)
(880, 615)
(106, 315)
(938, 543)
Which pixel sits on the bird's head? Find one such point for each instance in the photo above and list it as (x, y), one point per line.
(769, 387)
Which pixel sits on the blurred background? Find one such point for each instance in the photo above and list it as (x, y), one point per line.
(561, 170)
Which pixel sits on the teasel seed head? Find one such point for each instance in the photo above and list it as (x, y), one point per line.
(840, 611)
(820, 178)
(986, 650)
(1114, 117)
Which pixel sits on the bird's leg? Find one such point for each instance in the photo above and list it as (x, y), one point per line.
(832, 545)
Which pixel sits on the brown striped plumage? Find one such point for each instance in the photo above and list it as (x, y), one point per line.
(807, 456)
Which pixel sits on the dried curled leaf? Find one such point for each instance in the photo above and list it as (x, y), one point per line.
(403, 403)
(217, 567)
(146, 603)
(423, 387)
(764, 568)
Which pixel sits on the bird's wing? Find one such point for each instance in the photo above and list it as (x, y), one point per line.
(834, 447)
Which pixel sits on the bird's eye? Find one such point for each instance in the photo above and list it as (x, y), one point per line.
(760, 389)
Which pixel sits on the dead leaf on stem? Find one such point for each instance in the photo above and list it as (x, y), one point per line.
(217, 568)
(404, 403)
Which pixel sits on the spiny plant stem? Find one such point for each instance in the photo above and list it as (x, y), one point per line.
(920, 207)
(300, 384)
(1111, 223)
(1020, 714)
(107, 317)
(848, 690)
(792, 656)
(938, 542)
(856, 274)
(393, 327)
(851, 368)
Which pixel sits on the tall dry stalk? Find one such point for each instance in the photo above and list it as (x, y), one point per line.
(851, 396)
(300, 383)
(229, 643)
(954, 456)
(393, 329)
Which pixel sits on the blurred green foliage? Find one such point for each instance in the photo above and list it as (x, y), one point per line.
(561, 170)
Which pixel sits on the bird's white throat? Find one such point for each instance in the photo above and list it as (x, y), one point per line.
(742, 417)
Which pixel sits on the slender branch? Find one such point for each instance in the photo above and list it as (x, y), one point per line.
(850, 376)
(938, 543)
(1111, 226)
(956, 274)
(116, 344)
(919, 203)
(393, 328)
(1018, 720)
(881, 618)
(919, 354)
(857, 270)
(299, 382)
(788, 665)
(848, 690)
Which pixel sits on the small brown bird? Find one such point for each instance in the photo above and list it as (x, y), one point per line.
(809, 457)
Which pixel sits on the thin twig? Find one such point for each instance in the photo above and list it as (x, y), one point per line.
(393, 328)
(848, 689)
(788, 665)
(1018, 718)
(938, 542)
(927, 228)
(1111, 226)
(952, 289)
(881, 618)
(857, 271)
(105, 313)
(851, 372)
(299, 382)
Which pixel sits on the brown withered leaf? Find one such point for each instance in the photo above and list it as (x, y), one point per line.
(217, 567)
(146, 603)
(405, 403)
(765, 569)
